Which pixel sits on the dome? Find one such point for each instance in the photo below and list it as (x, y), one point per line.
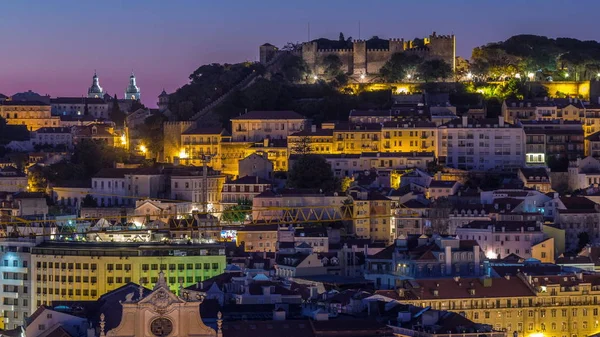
(132, 88)
(163, 93)
(95, 88)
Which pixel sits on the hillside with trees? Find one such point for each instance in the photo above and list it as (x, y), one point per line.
(559, 59)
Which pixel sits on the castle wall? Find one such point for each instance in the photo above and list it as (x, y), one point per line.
(376, 58)
(345, 56)
(442, 47)
(360, 57)
(309, 55)
(172, 138)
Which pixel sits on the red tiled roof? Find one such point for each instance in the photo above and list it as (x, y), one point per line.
(452, 289)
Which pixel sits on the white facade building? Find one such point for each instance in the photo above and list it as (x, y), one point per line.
(487, 144)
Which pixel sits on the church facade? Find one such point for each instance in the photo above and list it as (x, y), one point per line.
(161, 313)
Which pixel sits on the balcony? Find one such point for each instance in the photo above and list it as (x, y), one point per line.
(6, 307)
(14, 270)
(10, 295)
(13, 282)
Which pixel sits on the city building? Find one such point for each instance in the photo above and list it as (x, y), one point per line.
(551, 305)
(255, 126)
(307, 204)
(416, 257)
(53, 136)
(535, 178)
(189, 184)
(258, 238)
(32, 114)
(12, 180)
(96, 107)
(500, 239)
(243, 189)
(485, 144)
(85, 271)
(16, 271)
(200, 144)
(372, 216)
(583, 173)
(546, 139)
(257, 165)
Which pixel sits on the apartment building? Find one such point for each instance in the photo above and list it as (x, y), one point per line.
(529, 305)
(53, 136)
(486, 144)
(85, 271)
(552, 139)
(254, 126)
(17, 289)
(199, 144)
(372, 216)
(32, 114)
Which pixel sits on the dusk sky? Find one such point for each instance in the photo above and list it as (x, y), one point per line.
(52, 47)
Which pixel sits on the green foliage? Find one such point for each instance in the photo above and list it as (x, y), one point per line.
(9, 133)
(399, 66)
(558, 164)
(312, 171)
(237, 213)
(531, 53)
(345, 183)
(136, 105)
(433, 70)
(89, 201)
(333, 65)
(151, 133)
(293, 68)
(116, 115)
(583, 239)
(207, 83)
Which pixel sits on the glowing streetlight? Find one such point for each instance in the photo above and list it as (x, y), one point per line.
(408, 76)
(315, 77)
(362, 76)
(183, 154)
(531, 75)
(598, 74)
(566, 75)
(469, 75)
(143, 149)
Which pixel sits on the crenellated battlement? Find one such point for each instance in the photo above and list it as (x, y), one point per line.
(334, 50)
(358, 59)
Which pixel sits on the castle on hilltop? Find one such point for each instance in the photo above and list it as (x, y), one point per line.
(361, 60)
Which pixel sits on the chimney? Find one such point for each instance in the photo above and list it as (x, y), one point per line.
(465, 121)
(448, 253)
(501, 121)
(279, 314)
(313, 128)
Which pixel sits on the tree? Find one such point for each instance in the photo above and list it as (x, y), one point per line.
(89, 201)
(293, 68)
(116, 115)
(333, 66)
(238, 213)
(345, 183)
(583, 240)
(433, 70)
(341, 38)
(399, 66)
(302, 146)
(312, 171)
(439, 214)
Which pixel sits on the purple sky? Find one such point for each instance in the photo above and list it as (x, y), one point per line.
(53, 47)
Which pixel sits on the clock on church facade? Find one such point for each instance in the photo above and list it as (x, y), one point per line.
(161, 327)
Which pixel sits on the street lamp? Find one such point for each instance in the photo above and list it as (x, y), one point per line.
(362, 76)
(531, 75)
(517, 75)
(315, 77)
(469, 75)
(408, 76)
(566, 75)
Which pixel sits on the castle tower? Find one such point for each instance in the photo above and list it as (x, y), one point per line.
(95, 91)
(267, 52)
(163, 101)
(132, 92)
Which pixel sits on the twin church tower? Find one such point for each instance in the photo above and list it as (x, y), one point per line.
(132, 91)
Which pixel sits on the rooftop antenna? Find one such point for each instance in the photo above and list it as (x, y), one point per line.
(359, 29)
(308, 32)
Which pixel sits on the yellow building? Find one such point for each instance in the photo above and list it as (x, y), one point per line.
(372, 213)
(85, 271)
(544, 251)
(349, 138)
(320, 141)
(200, 142)
(533, 306)
(231, 154)
(254, 126)
(34, 115)
(276, 151)
(258, 238)
(409, 136)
